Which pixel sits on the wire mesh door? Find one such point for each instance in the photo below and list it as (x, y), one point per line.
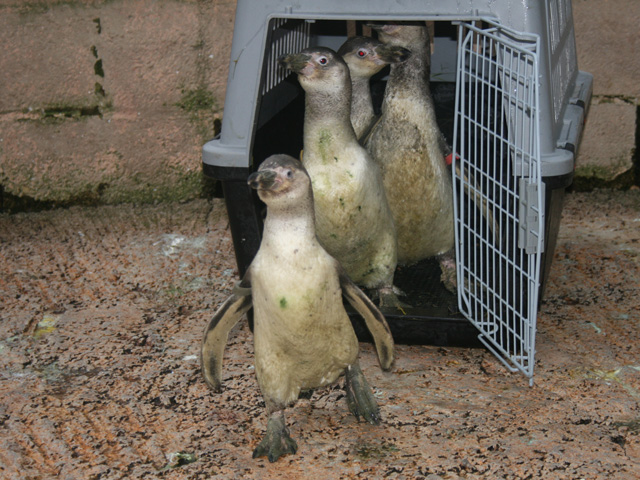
(498, 190)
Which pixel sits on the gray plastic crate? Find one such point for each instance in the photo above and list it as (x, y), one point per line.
(529, 62)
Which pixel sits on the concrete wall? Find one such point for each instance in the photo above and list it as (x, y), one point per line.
(608, 43)
(111, 101)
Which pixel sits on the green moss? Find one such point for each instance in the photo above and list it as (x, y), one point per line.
(75, 109)
(283, 303)
(593, 171)
(199, 45)
(201, 106)
(197, 99)
(175, 187)
(324, 145)
(97, 68)
(369, 451)
(187, 186)
(42, 6)
(99, 90)
(76, 112)
(174, 292)
(600, 99)
(588, 178)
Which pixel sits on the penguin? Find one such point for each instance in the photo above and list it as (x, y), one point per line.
(353, 219)
(303, 338)
(362, 69)
(366, 56)
(409, 147)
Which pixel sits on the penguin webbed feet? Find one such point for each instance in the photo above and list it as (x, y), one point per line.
(360, 399)
(276, 441)
(448, 275)
(305, 395)
(388, 298)
(213, 386)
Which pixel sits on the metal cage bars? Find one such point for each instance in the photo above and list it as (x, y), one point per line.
(498, 189)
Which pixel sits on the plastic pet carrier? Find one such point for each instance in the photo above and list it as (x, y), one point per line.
(511, 102)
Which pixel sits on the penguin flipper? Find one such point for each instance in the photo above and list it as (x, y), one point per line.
(217, 332)
(376, 323)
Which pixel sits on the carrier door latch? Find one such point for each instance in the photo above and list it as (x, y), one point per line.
(530, 216)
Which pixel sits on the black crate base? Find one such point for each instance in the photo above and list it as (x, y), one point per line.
(433, 317)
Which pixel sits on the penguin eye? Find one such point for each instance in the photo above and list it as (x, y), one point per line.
(362, 53)
(289, 174)
(323, 60)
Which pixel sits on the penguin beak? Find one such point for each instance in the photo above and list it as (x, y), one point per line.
(392, 53)
(295, 62)
(262, 180)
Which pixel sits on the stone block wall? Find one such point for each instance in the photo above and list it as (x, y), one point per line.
(107, 101)
(110, 101)
(608, 42)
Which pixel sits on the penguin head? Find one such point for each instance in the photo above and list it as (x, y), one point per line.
(366, 56)
(404, 34)
(280, 179)
(319, 69)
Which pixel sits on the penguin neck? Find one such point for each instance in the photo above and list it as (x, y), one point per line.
(294, 222)
(361, 98)
(327, 125)
(361, 103)
(411, 75)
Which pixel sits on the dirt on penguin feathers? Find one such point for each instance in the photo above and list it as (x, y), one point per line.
(303, 338)
(353, 219)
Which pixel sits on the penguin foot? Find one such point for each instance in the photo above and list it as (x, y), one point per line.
(305, 394)
(448, 273)
(304, 401)
(360, 399)
(388, 297)
(276, 441)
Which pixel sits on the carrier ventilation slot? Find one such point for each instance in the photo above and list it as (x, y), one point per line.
(287, 36)
(562, 48)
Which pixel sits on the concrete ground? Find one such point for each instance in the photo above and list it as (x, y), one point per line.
(102, 308)
(102, 314)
